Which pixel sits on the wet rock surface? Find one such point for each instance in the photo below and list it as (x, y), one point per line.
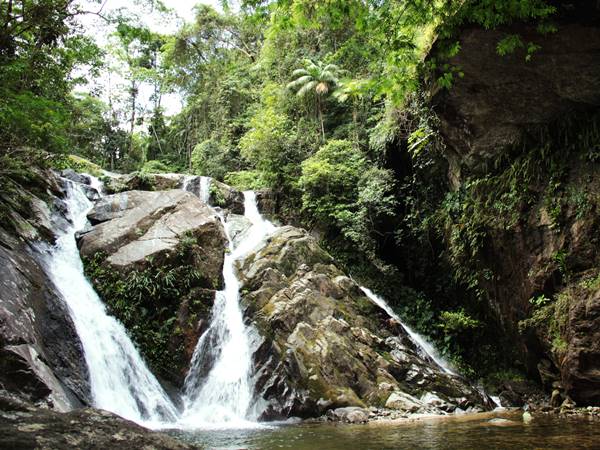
(41, 358)
(324, 345)
(23, 426)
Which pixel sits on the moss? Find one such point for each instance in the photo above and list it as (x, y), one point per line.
(78, 164)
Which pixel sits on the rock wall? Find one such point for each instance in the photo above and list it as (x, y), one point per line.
(550, 251)
(501, 99)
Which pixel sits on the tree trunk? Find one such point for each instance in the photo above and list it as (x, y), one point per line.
(132, 117)
(320, 113)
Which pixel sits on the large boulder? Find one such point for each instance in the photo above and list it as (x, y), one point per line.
(156, 258)
(324, 344)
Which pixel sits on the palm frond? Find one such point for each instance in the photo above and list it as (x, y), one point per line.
(307, 88)
(299, 82)
(299, 72)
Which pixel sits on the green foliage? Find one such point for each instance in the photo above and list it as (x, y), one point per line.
(539, 301)
(78, 164)
(154, 166)
(329, 180)
(212, 158)
(245, 180)
(453, 322)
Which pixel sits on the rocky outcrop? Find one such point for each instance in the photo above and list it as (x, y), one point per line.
(580, 368)
(502, 98)
(325, 345)
(41, 357)
(156, 258)
(115, 183)
(23, 426)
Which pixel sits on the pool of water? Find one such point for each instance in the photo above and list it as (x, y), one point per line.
(484, 431)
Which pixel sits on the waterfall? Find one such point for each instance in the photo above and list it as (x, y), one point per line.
(218, 388)
(425, 347)
(199, 186)
(119, 379)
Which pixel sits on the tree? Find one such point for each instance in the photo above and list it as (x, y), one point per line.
(318, 78)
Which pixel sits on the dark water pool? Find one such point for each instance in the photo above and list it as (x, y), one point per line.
(460, 433)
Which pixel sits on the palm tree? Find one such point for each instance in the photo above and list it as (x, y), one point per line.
(315, 77)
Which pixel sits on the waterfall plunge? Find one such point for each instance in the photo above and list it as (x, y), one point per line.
(120, 380)
(218, 387)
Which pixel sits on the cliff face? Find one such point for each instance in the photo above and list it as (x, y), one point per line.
(542, 265)
(501, 99)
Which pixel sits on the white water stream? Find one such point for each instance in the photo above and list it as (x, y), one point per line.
(120, 381)
(421, 343)
(218, 388)
(201, 190)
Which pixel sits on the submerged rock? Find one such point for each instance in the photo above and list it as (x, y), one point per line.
(324, 344)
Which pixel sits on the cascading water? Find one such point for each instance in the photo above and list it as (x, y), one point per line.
(419, 340)
(120, 381)
(218, 388)
(200, 188)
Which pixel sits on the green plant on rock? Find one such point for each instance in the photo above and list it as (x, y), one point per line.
(146, 301)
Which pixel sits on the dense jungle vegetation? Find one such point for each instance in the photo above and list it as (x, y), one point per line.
(325, 103)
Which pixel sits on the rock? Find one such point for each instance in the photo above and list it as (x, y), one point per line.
(23, 426)
(349, 415)
(225, 196)
(267, 203)
(568, 403)
(556, 399)
(502, 97)
(116, 183)
(500, 422)
(41, 357)
(499, 102)
(80, 178)
(152, 224)
(516, 393)
(527, 417)
(237, 227)
(153, 234)
(324, 344)
(580, 366)
(404, 402)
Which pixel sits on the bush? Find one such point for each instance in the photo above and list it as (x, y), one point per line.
(78, 164)
(154, 166)
(330, 180)
(212, 158)
(245, 180)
